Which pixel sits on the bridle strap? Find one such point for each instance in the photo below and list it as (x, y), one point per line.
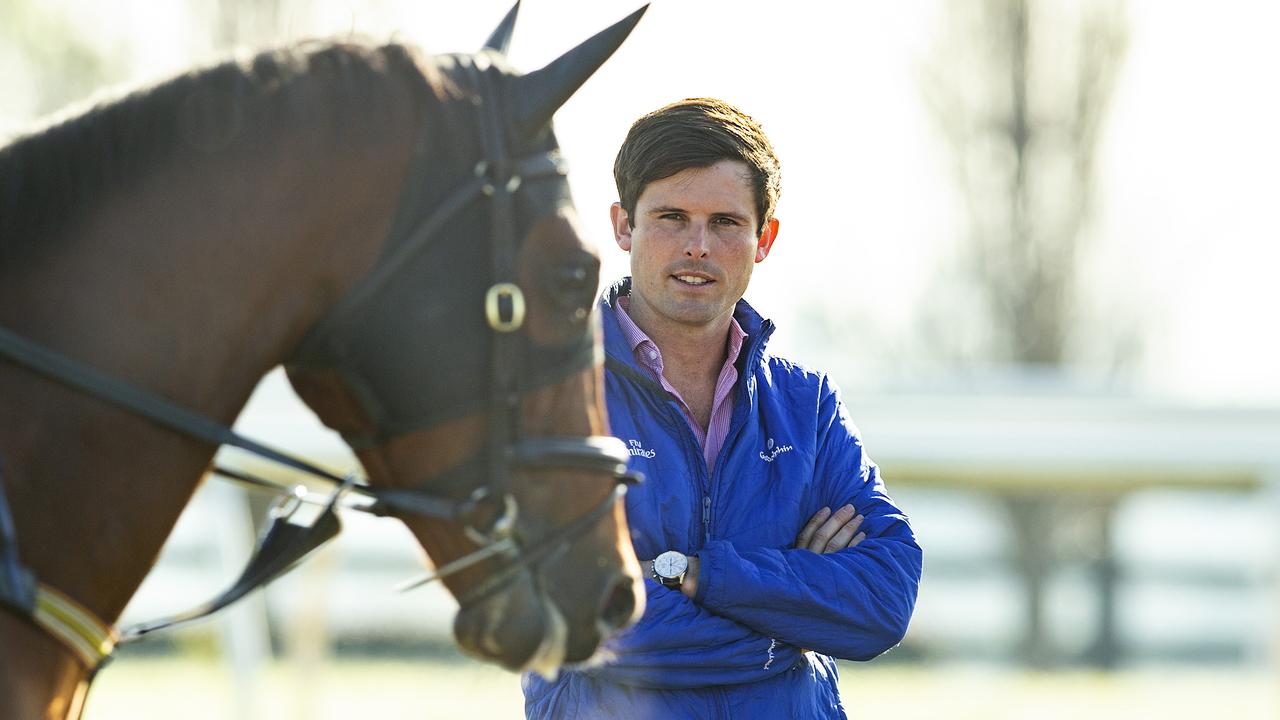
(420, 236)
(282, 546)
(532, 167)
(504, 406)
(530, 555)
(115, 391)
(395, 259)
(555, 543)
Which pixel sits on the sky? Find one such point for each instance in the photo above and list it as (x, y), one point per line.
(1183, 246)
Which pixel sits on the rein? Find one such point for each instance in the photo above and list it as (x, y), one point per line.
(488, 515)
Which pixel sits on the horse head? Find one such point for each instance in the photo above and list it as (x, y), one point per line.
(161, 252)
(466, 364)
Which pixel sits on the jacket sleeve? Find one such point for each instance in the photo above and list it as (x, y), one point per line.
(677, 644)
(853, 604)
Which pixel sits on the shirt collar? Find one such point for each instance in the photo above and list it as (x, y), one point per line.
(647, 353)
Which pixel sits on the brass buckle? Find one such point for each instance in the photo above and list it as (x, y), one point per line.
(493, 307)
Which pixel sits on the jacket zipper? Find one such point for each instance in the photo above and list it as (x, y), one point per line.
(708, 488)
(702, 480)
(735, 429)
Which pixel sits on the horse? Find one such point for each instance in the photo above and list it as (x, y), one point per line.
(392, 227)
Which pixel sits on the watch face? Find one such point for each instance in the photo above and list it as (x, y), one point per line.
(670, 564)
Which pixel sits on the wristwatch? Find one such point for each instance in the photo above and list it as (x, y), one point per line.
(669, 568)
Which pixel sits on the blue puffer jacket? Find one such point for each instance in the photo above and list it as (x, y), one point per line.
(735, 650)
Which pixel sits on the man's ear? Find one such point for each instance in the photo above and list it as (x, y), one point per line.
(621, 226)
(767, 236)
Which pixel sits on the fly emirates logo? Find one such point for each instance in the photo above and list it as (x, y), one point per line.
(637, 449)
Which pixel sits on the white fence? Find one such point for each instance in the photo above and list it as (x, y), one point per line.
(1158, 534)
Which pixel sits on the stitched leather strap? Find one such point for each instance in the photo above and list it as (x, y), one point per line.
(89, 639)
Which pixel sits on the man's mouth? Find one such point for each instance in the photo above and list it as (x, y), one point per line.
(693, 279)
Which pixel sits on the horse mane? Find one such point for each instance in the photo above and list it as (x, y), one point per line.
(53, 175)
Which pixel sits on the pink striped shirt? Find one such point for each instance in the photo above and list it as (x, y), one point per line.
(650, 358)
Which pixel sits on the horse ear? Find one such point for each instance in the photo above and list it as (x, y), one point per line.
(500, 40)
(537, 95)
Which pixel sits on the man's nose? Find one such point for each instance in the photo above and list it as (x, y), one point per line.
(697, 241)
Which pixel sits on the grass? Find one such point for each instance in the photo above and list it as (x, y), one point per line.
(191, 689)
(202, 688)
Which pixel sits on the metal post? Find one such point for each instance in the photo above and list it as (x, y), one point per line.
(1033, 558)
(1105, 651)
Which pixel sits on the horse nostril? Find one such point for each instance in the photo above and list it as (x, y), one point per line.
(619, 605)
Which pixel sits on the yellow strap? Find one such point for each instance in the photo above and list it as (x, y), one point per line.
(90, 639)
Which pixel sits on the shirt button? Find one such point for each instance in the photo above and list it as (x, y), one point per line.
(653, 354)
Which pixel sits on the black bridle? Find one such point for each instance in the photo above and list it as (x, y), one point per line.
(487, 514)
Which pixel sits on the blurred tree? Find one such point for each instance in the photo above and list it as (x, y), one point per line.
(246, 23)
(1020, 90)
(58, 64)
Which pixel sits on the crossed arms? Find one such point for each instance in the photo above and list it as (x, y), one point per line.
(846, 587)
(825, 532)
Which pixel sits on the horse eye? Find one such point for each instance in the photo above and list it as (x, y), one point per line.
(574, 286)
(574, 278)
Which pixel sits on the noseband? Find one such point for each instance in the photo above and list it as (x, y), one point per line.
(488, 515)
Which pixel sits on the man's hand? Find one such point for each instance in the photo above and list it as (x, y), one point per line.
(690, 585)
(828, 532)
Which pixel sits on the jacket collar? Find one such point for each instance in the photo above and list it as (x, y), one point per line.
(615, 342)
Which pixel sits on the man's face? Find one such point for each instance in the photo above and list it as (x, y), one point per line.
(693, 247)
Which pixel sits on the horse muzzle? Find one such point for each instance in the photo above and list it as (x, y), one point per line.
(524, 628)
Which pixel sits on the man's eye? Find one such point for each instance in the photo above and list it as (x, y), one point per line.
(726, 221)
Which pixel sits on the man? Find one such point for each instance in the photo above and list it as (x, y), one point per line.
(769, 540)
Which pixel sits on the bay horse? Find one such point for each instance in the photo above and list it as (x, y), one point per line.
(393, 228)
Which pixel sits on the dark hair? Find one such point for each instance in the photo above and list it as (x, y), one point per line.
(696, 133)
